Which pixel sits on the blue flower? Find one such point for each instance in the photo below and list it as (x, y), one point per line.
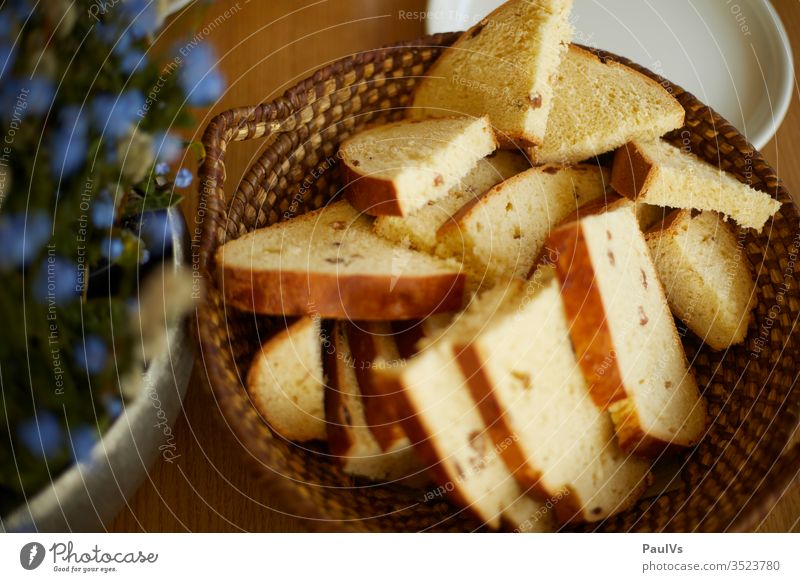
(91, 354)
(42, 435)
(132, 61)
(114, 115)
(103, 212)
(183, 179)
(83, 437)
(167, 147)
(8, 53)
(57, 280)
(162, 168)
(143, 16)
(113, 405)
(109, 33)
(22, 237)
(199, 78)
(41, 94)
(111, 248)
(156, 230)
(70, 142)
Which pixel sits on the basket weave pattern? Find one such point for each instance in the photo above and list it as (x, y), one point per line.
(728, 482)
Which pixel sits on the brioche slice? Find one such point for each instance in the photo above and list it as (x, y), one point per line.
(373, 346)
(396, 168)
(600, 105)
(349, 436)
(536, 404)
(418, 230)
(329, 262)
(499, 234)
(504, 66)
(658, 173)
(286, 384)
(708, 278)
(624, 334)
(441, 419)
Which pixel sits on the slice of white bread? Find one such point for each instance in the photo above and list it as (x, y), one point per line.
(706, 275)
(286, 382)
(533, 398)
(600, 106)
(505, 67)
(373, 346)
(658, 173)
(418, 229)
(329, 262)
(349, 436)
(624, 334)
(500, 233)
(396, 168)
(442, 420)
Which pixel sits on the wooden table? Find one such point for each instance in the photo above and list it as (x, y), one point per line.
(265, 48)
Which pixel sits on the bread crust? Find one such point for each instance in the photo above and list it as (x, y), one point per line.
(370, 194)
(583, 306)
(340, 442)
(366, 347)
(334, 296)
(632, 172)
(634, 440)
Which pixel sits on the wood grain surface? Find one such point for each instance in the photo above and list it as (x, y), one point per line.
(266, 46)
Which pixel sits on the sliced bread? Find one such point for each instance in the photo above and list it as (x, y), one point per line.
(499, 234)
(599, 106)
(707, 276)
(504, 66)
(329, 262)
(349, 436)
(373, 346)
(441, 419)
(658, 173)
(286, 383)
(396, 168)
(533, 398)
(418, 229)
(624, 334)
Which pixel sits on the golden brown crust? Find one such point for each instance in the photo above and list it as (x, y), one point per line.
(366, 345)
(370, 194)
(583, 306)
(336, 296)
(632, 171)
(340, 441)
(665, 225)
(633, 439)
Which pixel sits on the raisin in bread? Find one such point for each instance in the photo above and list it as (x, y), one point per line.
(499, 234)
(418, 229)
(706, 275)
(658, 173)
(286, 384)
(505, 67)
(396, 168)
(624, 334)
(349, 436)
(329, 262)
(601, 105)
(533, 398)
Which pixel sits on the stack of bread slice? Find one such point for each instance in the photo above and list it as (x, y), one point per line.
(503, 320)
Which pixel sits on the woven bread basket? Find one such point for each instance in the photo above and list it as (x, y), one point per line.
(728, 483)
